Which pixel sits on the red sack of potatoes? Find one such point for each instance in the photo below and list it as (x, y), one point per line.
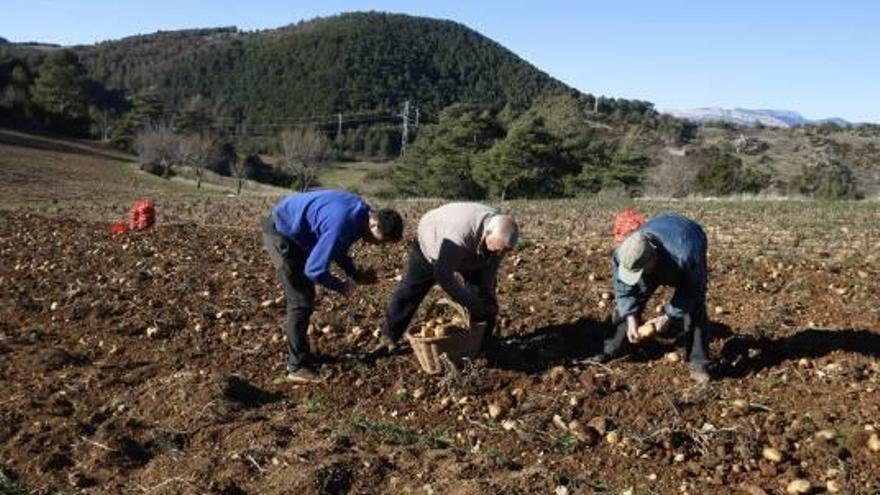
(627, 221)
(143, 214)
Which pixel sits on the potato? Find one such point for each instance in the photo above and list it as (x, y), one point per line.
(874, 443)
(772, 455)
(798, 486)
(647, 330)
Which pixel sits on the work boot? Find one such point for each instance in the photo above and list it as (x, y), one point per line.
(600, 358)
(303, 374)
(700, 374)
(385, 347)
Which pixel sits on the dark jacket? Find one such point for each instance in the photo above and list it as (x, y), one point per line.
(681, 247)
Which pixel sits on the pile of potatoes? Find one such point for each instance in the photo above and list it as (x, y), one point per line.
(441, 327)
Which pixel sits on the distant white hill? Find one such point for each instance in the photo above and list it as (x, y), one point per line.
(746, 117)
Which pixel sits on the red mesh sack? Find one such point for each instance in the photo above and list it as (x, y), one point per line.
(143, 214)
(627, 221)
(117, 228)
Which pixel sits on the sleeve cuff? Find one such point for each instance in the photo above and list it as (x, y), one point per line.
(675, 312)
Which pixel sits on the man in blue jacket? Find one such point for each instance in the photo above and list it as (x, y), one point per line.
(668, 250)
(306, 233)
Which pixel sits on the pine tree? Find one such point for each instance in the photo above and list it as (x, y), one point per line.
(147, 109)
(529, 162)
(59, 89)
(440, 162)
(195, 117)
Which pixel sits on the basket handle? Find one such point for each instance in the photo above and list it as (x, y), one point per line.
(461, 310)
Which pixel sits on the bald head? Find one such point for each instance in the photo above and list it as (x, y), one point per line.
(502, 234)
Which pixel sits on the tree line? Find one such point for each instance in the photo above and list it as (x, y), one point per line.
(492, 125)
(558, 147)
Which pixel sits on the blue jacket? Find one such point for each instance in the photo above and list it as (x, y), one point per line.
(681, 246)
(325, 224)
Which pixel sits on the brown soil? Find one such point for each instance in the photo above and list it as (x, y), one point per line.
(92, 404)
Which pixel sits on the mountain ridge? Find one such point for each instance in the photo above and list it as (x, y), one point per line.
(351, 62)
(752, 117)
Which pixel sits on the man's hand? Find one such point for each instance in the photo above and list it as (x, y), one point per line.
(632, 329)
(365, 276)
(349, 287)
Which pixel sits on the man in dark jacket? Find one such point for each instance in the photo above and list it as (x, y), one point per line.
(306, 233)
(668, 250)
(465, 238)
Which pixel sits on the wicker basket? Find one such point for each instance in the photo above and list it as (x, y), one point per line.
(457, 347)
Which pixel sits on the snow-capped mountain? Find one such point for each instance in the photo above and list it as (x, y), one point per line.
(746, 117)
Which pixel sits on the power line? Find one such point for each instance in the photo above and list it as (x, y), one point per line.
(312, 118)
(325, 122)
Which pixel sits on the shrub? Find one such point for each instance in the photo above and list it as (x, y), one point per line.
(721, 173)
(828, 180)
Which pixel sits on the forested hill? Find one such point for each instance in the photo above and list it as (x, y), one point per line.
(351, 62)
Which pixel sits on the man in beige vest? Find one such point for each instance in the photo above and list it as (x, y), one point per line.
(470, 239)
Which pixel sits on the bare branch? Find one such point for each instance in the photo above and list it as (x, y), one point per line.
(303, 152)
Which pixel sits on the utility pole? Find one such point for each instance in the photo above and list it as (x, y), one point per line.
(339, 127)
(404, 136)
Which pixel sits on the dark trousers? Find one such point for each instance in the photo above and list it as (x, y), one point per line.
(411, 291)
(299, 291)
(694, 327)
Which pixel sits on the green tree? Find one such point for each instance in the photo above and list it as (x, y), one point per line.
(721, 173)
(528, 162)
(441, 160)
(147, 108)
(15, 79)
(196, 116)
(628, 164)
(59, 89)
(146, 111)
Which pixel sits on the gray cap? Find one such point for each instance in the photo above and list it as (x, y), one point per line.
(633, 255)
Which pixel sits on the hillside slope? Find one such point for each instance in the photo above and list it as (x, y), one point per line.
(351, 62)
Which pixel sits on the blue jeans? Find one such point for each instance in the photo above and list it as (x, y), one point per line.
(694, 326)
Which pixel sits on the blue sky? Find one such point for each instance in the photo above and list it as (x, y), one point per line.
(819, 58)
